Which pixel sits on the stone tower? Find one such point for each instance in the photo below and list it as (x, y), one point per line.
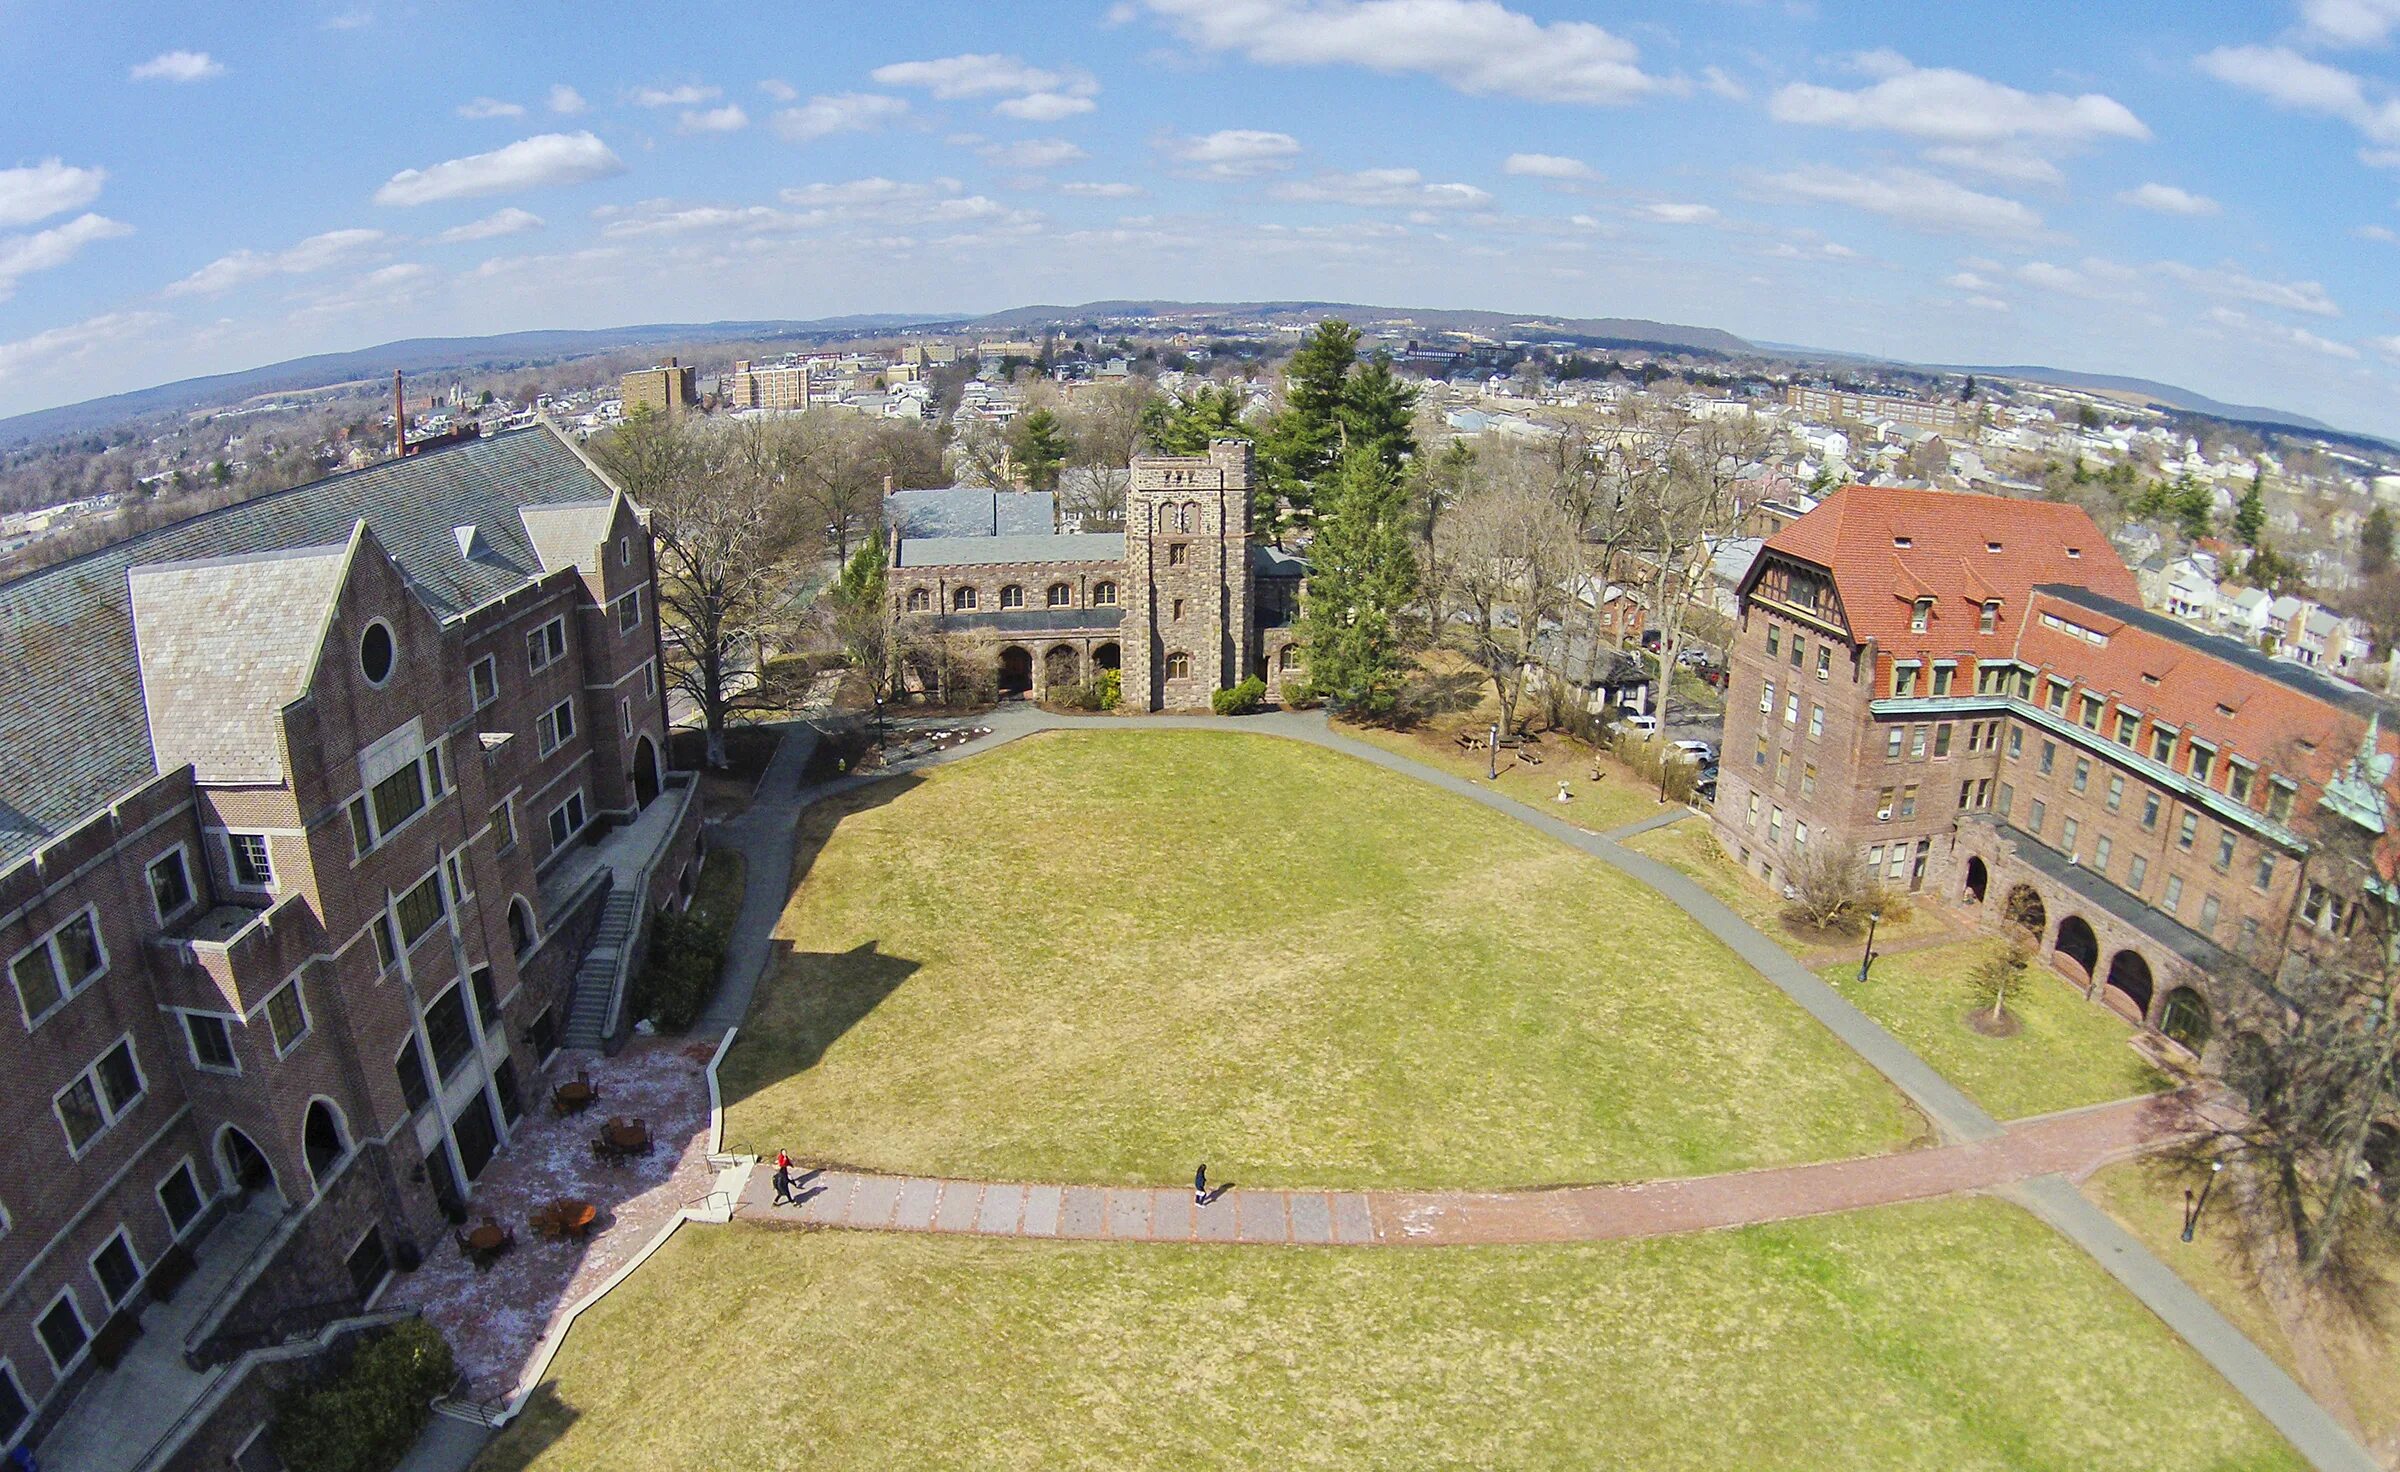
(1187, 576)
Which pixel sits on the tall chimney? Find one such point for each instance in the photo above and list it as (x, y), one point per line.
(399, 417)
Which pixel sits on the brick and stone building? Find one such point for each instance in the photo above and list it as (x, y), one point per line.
(1964, 692)
(1184, 602)
(670, 388)
(281, 790)
(776, 388)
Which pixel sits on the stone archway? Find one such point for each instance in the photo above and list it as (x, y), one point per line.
(1106, 657)
(2184, 1017)
(323, 1141)
(2129, 983)
(2076, 942)
(244, 1165)
(1016, 670)
(1061, 668)
(1979, 880)
(2023, 908)
(645, 771)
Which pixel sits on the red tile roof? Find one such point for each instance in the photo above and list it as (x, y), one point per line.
(1858, 532)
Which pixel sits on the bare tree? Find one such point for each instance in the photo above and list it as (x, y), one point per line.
(1830, 887)
(1510, 555)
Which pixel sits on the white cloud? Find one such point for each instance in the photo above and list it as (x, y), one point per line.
(1033, 154)
(1381, 189)
(1476, 46)
(242, 267)
(1043, 107)
(179, 66)
(1950, 106)
(2013, 162)
(690, 94)
(1232, 153)
(973, 75)
(2350, 22)
(1669, 213)
(841, 112)
(2377, 233)
(540, 162)
(23, 255)
(62, 347)
(779, 90)
(664, 217)
(490, 107)
(1919, 200)
(1987, 304)
(2298, 337)
(727, 119)
(566, 101)
(348, 20)
(2237, 285)
(1546, 166)
(48, 188)
(875, 191)
(1968, 281)
(510, 221)
(1716, 80)
(1099, 189)
(2288, 79)
(2166, 199)
(2388, 346)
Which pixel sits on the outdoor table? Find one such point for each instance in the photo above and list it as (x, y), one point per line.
(626, 1136)
(575, 1094)
(574, 1218)
(486, 1238)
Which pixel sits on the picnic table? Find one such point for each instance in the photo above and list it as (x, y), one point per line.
(565, 1217)
(574, 1096)
(486, 1238)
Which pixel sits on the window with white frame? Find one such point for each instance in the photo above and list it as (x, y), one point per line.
(625, 712)
(56, 967)
(483, 679)
(419, 910)
(62, 1330)
(179, 1197)
(100, 1096)
(211, 1038)
(629, 611)
(116, 1269)
(556, 726)
(15, 1411)
(504, 827)
(650, 679)
(566, 820)
(546, 645)
(287, 1017)
(247, 861)
(171, 891)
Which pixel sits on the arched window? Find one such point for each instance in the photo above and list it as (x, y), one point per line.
(1061, 595)
(1289, 658)
(1104, 595)
(919, 600)
(1179, 666)
(520, 927)
(1012, 596)
(323, 1140)
(962, 600)
(1183, 518)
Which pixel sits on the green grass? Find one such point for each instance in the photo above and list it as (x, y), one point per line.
(1618, 798)
(2068, 1052)
(1104, 956)
(1690, 847)
(1958, 1334)
(717, 897)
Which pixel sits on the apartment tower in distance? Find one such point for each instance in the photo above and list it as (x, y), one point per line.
(669, 388)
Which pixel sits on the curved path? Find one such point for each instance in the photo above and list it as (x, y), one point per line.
(2032, 1163)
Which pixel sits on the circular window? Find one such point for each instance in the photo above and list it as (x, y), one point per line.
(375, 652)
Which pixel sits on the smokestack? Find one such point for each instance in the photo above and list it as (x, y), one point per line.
(399, 417)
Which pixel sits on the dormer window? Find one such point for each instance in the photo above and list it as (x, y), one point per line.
(1920, 616)
(1904, 542)
(1989, 623)
(2074, 551)
(1991, 546)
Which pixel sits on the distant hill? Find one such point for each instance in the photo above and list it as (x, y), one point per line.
(2165, 394)
(1428, 320)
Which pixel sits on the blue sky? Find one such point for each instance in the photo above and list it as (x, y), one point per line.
(2203, 193)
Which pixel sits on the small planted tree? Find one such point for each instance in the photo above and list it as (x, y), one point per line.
(1999, 975)
(1830, 888)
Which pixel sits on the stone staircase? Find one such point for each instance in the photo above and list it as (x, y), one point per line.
(602, 972)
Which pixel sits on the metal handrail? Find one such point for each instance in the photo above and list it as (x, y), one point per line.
(623, 971)
(281, 1326)
(209, 1402)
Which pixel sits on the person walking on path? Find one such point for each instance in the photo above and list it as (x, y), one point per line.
(783, 1182)
(1200, 1185)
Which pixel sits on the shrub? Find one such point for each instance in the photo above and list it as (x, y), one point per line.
(838, 750)
(1109, 687)
(679, 974)
(1241, 700)
(1647, 756)
(1832, 891)
(365, 1418)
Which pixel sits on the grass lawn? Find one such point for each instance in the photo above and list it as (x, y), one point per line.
(1690, 848)
(717, 897)
(725, 791)
(1955, 1334)
(1104, 956)
(2067, 1052)
(2146, 1197)
(1618, 798)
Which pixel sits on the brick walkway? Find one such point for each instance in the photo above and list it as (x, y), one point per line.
(2073, 1145)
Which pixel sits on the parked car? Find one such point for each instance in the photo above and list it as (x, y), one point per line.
(1647, 725)
(1699, 751)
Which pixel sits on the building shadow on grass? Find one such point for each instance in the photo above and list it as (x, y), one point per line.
(544, 1421)
(806, 1001)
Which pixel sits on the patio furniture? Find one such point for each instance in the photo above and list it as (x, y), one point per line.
(574, 1096)
(628, 1136)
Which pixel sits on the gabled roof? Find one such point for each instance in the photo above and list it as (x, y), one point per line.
(988, 551)
(74, 728)
(1886, 546)
(224, 645)
(970, 511)
(566, 534)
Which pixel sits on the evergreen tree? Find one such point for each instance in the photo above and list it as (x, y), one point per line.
(1040, 446)
(1362, 572)
(1303, 442)
(1185, 426)
(2375, 542)
(1379, 413)
(2250, 517)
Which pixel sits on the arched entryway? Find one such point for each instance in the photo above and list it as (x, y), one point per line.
(244, 1165)
(2077, 943)
(1016, 671)
(323, 1140)
(1106, 657)
(2024, 910)
(1061, 669)
(2129, 982)
(645, 771)
(2184, 1017)
(1979, 879)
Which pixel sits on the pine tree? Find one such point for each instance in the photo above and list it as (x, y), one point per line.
(2375, 542)
(1185, 426)
(2250, 517)
(1362, 572)
(1041, 448)
(1379, 413)
(1303, 442)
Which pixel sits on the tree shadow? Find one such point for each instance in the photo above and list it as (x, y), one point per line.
(1430, 695)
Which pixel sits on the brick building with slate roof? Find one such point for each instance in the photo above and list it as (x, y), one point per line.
(1964, 692)
(279, 788)
(1184, 602)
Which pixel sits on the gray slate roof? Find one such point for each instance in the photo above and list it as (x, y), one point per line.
(970, 511)
(987, 551)
(564, 535)
(73, 726)
(1274, 562)
(226, 644)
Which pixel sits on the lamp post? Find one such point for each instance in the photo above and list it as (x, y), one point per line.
(2191, 1214)
(1866, 958)
(1495, 751)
